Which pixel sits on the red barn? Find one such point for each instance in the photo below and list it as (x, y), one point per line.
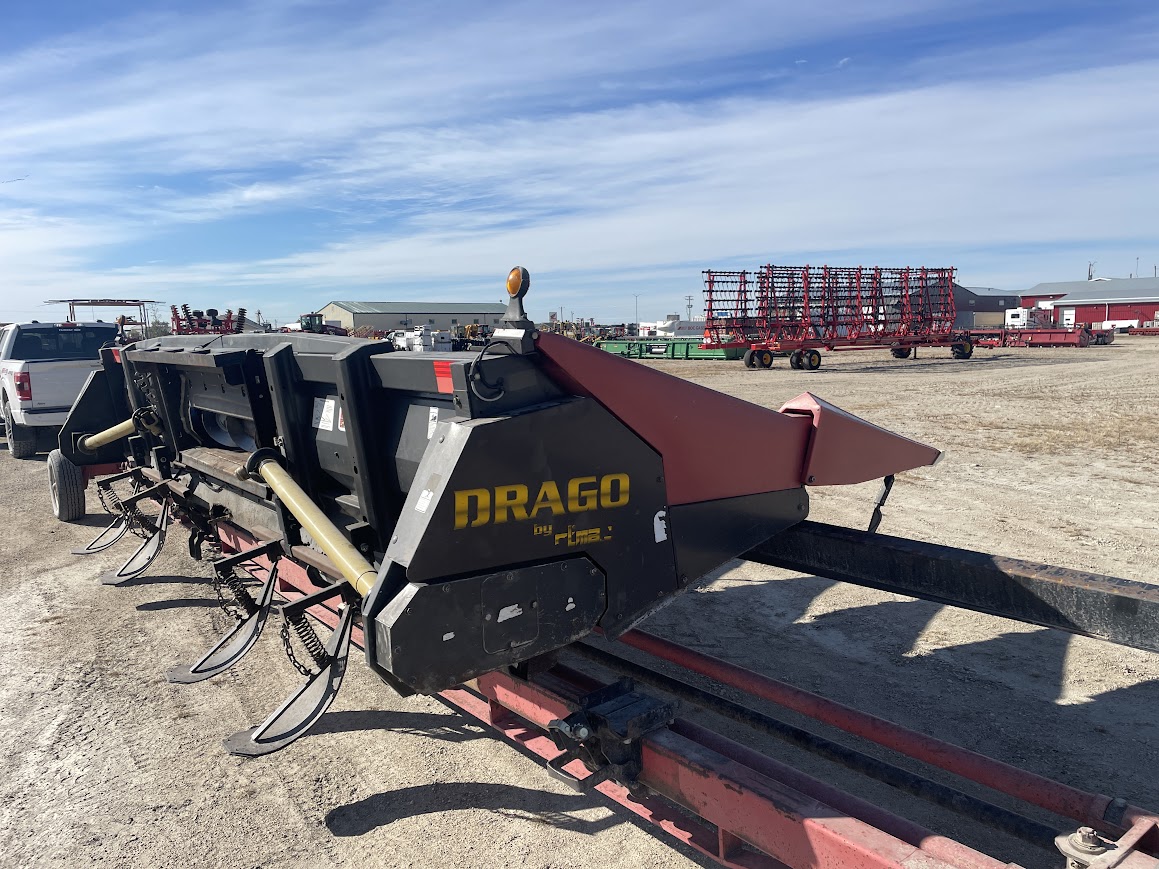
(1108, 303)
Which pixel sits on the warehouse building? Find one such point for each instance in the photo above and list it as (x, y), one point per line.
(1104, 303)
(980, 307)
(390, 316)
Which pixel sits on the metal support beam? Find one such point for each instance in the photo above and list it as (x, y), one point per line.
(1119, 610)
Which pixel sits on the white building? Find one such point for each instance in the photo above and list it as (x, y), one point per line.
(392, 316)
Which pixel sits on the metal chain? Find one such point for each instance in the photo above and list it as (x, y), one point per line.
(285, 634)
(231, 608)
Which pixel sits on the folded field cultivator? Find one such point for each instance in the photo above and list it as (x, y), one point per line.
(798, 311)
(468, 518)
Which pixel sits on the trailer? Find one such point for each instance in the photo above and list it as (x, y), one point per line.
(467, 519)
(1041, 336)
(666, 347)
(796, 311)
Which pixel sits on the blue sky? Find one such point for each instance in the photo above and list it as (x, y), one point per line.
(279, 155)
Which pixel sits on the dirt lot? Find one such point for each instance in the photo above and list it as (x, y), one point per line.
(1052, 455)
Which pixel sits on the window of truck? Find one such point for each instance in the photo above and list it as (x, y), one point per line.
(50, 343)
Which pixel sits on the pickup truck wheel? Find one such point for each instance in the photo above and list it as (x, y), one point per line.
(66, 484)
(21, 441)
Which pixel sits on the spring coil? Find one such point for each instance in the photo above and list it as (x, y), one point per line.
(309, 640)
(240, 593)
(110, 500)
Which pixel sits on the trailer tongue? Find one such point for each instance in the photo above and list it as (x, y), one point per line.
(464, 516)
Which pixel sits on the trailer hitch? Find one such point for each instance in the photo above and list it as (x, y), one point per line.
(605, 735)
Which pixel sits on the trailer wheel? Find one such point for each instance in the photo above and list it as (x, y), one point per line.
(812, 360)
(795, 360)
(750, 359)
(765, 358)
(900, 352)
(963, 350)
(21, 441)
(66, 486)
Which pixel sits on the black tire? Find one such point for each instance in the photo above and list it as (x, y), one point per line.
(21, 441)
(900, 352)
(811, 360)
(66, 486)
(795, 360)
(765, 358)
(750, 359)
(964, 350)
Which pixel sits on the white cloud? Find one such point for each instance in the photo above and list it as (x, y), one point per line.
(454, 148)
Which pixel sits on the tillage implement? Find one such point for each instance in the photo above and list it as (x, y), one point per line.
(468, 519)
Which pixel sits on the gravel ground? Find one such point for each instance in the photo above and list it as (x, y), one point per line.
(1052, 455)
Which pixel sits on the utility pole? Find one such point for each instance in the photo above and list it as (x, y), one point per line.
(636, 296)
(689, 299)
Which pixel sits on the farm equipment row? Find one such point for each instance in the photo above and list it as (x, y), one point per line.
(471, 520)
(797, 311)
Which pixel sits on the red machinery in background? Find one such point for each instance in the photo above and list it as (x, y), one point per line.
(797, 310)
(193, 322)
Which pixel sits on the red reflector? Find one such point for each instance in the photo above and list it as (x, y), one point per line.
(443, 376)
(23, 385)
(117, 354)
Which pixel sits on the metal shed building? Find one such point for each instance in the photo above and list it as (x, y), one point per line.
(1111, 303)
(387, 316)
(978, 307)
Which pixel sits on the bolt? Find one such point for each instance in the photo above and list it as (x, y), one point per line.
(1088, 836)
(442, 438)
(800, 508)
(594, 572)
(487, 617)
(811, 479)
(535, 604)
(446, 588)
(394, 539)
(398, 650)
(619, 616)
(684, 579)
(581, 733)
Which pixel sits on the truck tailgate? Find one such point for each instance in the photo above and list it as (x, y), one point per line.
(56, 384)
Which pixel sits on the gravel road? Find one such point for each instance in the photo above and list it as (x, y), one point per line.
(1052, 455)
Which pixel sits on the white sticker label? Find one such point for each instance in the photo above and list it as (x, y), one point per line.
(424, 500)
(432, 421)
(509, 612)
(450, 635)
(341, 421)
(323, 414)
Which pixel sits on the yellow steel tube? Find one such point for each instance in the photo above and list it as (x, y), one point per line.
(359, 572)
(100, 439)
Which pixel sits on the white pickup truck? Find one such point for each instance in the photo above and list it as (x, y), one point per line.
(43, 367)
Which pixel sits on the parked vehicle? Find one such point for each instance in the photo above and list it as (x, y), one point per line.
(43, 367)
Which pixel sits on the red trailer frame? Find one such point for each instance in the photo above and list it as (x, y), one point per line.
(797, 310)
(740, 807)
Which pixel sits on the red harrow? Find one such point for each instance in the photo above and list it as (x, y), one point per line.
(798, 311)
(472, 520)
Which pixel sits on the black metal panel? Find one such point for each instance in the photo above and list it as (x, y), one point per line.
(1106, 607)
(607, 486)
(95, 409)
(709, 533)
(361, 407)
(435, 636)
